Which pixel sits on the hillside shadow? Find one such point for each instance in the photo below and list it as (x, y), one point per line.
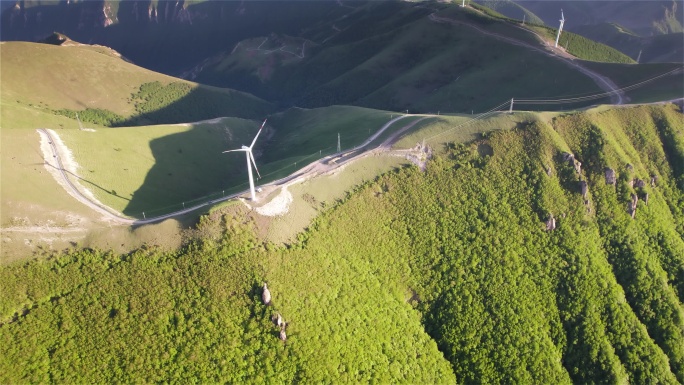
(198, 104)
(190, 167)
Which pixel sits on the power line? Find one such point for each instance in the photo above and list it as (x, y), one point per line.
(595, 96)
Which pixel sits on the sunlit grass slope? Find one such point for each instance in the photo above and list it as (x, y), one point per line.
(442, 275)
(73, 77)
(45, 85)
(81, 77)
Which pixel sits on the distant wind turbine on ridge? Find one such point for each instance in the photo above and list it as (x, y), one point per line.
(250, 160)
(560, 29)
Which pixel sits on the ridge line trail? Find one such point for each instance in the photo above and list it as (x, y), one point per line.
(617, 96)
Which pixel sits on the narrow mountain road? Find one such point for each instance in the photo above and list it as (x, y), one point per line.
(616, 95)
(74, 191)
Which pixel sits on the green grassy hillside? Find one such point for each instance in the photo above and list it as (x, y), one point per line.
(511, 10)
(454, 258)
(658, 81)
(393, 56)
(654, 49)
(583, 48)
(45, 86)
(107, 90)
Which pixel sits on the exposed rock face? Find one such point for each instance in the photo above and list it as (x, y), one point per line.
(550, 223)
(654, 180)
(549, 172)
(584, 188)
(638, 183)
(278, 320)
(646, 198)
(570, 158)
(266, 295)
(578, 166)
(630, 167)
(633, 205)
(282, 335)
(610, 176)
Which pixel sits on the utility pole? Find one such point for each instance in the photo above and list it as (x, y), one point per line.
(562, 21)
(639, 57)
(339, 148)
(80, 126)
(463, 4)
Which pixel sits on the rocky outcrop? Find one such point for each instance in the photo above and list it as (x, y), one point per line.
(610, 176)
(266, 295)
(633, 205)
(570, 158)
(550, 223)
(584, 188)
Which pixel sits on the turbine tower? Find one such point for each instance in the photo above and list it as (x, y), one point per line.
(562, 21)
(250, 158)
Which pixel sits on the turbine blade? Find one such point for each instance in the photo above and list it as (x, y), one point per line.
(257, 135)
(254, 163)
(239, 149)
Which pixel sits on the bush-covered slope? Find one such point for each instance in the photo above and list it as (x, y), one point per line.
(458, 253)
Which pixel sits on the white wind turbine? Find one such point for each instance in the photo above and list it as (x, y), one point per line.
(560, 29)
(250, 158)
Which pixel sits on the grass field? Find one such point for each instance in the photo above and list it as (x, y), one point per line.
(70, 77)
(159, 169)
(75, 78)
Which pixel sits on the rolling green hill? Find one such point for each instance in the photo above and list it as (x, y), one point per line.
(645, 18)
(654, 49)
(446, 275)
(396, 56)
(82, 77)
(44, 86)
